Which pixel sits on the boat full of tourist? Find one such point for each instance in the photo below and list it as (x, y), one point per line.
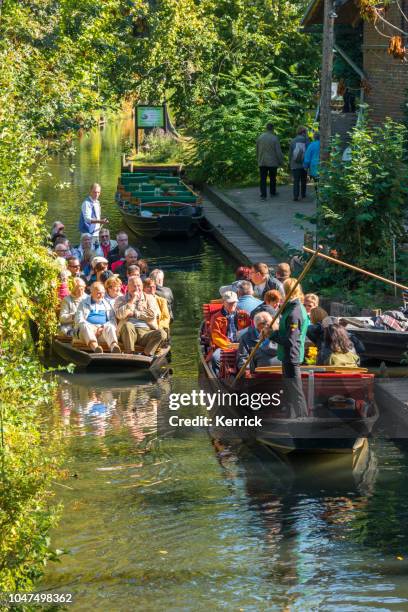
(114, 313)
(320, 405)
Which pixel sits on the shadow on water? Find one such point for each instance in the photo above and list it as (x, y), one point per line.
(181, 522)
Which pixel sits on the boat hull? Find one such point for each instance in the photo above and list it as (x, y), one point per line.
(312, 435)
(156, 367)
(166, 225)
(383, 345)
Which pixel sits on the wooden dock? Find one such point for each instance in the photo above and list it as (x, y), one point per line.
(234, 238)
(392, 398)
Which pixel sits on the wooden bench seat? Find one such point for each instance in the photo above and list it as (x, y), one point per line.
(83, 347)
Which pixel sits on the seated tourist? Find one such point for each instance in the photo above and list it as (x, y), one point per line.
(144, 268)
(117, 254)
(315, 331)
(271, 303)
(113, 286)
(246, 299)
(282, 272)
(225, 325)
(158, 277)
(262, 281)
(265, 355)
(131, 256)
(74, 267)
(69, 306)
(95, 320)
(337, 348)
(317, 315)
(85, 253)
(63, 289)
(137, 314)
(56, 231)
(99, 265)
(133, 270)
(149, 287)
(311, 300)
(85, 244)
(106, 245)
(62, 249)
(241, 273)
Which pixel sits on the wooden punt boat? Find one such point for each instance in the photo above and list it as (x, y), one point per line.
(171, 219)
(381, 344)
(341, 407)
(84, 358)
(155, 205)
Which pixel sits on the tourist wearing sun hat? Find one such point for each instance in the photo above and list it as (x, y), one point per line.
(99, 267)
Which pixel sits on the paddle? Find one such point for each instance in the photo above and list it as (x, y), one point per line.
(355, 268)
(281, 309)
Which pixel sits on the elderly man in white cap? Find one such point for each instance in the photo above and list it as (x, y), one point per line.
(225, 326)
(265, 354)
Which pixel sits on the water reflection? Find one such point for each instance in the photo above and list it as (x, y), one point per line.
(187, 518)
(97, 410)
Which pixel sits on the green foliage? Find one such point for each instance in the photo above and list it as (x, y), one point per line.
(362, 202)
(226, 129)
(29, 461)
(162, 148)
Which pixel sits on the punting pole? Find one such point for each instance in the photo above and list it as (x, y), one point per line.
(339, 262)
(281, 309)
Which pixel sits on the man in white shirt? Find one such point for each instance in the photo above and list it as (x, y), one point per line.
(91, 219)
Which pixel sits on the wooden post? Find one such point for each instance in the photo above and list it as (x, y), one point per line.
(326, 78)
(136, 132)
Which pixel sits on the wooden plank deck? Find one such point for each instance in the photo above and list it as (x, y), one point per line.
(234, 238)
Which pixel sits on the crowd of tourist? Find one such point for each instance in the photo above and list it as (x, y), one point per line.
(248, 307)
(108, 296)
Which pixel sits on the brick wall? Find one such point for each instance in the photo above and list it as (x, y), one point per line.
(387, 76)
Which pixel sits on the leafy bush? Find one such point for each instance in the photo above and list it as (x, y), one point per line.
(30, 456)
(160, 147)
(226, 128)
(362, 203)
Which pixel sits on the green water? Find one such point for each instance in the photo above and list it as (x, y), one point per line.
(180, 522)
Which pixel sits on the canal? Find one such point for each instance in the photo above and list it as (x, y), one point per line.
(153, 521)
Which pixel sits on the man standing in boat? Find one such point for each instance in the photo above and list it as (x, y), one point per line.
(290, 338)
(90, 220)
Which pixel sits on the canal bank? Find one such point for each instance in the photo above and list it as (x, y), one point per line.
(259, 229)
